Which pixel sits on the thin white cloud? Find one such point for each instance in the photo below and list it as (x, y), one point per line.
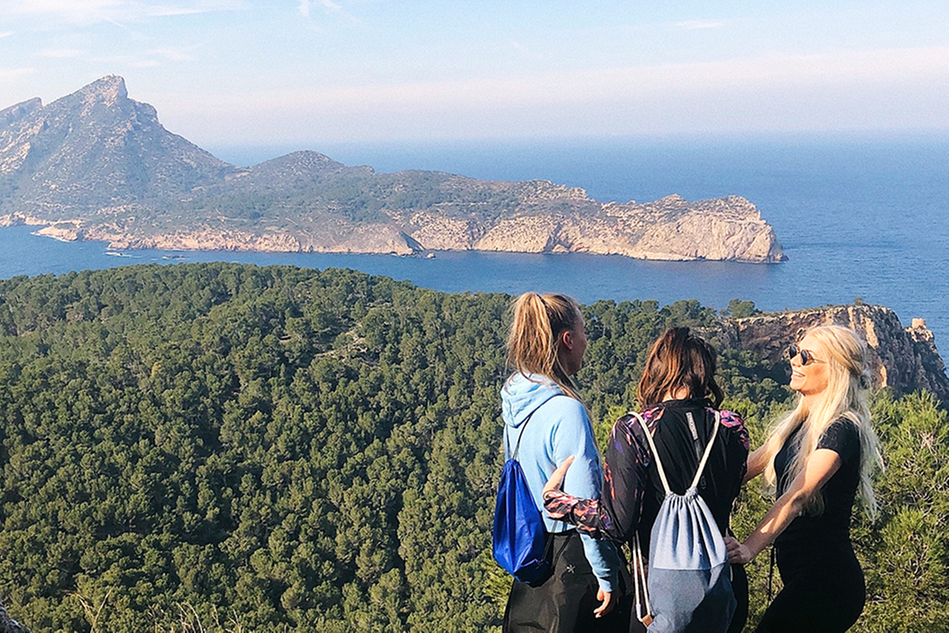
(918, 65)
(61, 53)
(699, 24)
(838, 90)
(11, 74)
(4, 34)
(173, 54)
(526, 51)
(304, 7)
(119, 11)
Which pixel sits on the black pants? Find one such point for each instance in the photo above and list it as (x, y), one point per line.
(564, 603)
(824, 590)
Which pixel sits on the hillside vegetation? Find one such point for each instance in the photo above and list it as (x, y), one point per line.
(231, 448)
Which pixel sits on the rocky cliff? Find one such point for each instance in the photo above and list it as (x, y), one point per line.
(904, 359)
(99, 165)
(8, 624)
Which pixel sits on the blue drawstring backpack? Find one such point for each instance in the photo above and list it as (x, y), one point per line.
(689, 577)
(519, 533)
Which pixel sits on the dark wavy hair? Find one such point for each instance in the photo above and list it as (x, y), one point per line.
(679, 359)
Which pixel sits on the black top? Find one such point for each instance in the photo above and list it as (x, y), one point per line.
(833, 524)
(632, 490)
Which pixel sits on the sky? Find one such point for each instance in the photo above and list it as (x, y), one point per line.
(305, 72)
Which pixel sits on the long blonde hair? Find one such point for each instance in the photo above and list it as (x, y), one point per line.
(533, 342)
(847, 395)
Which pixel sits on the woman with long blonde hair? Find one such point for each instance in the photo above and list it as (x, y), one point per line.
(544, 423)
(818, 459)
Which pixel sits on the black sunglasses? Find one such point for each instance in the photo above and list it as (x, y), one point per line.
(807, 356)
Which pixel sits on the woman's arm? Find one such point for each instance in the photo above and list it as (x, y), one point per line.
(573, 435)
(757, 462)
(616, 513)
(820, 467)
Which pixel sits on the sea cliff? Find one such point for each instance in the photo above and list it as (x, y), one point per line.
(904, 359)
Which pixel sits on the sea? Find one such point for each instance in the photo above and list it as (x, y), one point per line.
(860, 217)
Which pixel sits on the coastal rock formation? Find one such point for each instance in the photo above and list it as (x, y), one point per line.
(92, 149)
(8, 624)
(904, 359)
(97, 165)
(715, 229)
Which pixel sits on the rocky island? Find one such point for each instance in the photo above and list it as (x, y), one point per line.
(98, 165)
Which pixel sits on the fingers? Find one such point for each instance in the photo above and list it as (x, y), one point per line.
(606, 603)
(737, 553)
(556, 479)
(562, 469)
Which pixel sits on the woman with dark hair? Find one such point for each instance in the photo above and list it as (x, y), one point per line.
(545, 419)
(680, 398)
(817, 461)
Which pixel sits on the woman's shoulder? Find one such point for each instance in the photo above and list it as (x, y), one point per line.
(733, 423)
(843, 428)
(562, 407)
(630, 425)
(730, 419)
(841, 436)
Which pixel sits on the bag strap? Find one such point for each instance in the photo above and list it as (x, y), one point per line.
(517, 446)
(639, 582)
(708, 450)
(655, 453)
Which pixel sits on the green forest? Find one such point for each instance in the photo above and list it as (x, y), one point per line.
(231, 448)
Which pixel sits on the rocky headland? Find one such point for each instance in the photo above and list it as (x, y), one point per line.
(97, 165)
(904, 359)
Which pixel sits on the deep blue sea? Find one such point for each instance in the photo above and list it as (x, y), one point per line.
(858, 217)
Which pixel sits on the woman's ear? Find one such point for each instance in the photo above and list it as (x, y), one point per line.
(566, 339)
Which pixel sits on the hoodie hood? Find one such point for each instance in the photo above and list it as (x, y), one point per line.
(521, 395)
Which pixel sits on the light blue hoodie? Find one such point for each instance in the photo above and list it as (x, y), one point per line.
(558, 428)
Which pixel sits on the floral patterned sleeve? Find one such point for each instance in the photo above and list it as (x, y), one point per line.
(738, 446)
(616, 513)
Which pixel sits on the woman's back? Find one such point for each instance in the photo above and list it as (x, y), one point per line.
(634, 490)
(681, 431)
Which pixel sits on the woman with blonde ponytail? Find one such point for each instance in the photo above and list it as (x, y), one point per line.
(545, 422)
(818, 459)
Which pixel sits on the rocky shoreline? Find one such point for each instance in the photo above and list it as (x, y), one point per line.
(670, 229)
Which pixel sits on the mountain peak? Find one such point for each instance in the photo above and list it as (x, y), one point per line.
(19, 111)
(93, 149)
(109, 89)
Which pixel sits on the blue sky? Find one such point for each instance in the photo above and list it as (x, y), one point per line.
(302, 72)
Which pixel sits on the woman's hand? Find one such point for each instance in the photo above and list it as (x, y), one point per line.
(555, 483)
(738, 553)
(606, 604)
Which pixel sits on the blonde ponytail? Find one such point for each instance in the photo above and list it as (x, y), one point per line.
(534, 338)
